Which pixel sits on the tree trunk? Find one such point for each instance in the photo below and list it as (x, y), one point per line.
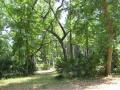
(71, 46)
(87, 41)
(109, 29)
(63, 49)
(109, 60)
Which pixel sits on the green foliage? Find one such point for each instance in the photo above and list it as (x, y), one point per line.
(30, 67)
(23, 67)
(78, 67)
(44, 67)
(116, 62)
(5, 65)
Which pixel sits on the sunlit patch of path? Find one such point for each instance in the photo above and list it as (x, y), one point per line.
(45, 71)
(113, 84)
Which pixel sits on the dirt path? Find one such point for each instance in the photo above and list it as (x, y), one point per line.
(111, 83)
(45, 71)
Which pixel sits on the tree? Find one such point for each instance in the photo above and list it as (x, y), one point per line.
(56, 17)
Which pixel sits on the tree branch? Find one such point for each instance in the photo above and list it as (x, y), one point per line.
(60, 5)
(55, 14)
(54, 34)
(43, 44)
(34, 3)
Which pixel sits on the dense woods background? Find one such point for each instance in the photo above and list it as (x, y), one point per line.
(79, 38)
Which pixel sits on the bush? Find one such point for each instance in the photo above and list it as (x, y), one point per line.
(12, 67)
(77, 67)
(44, 66)
(18, 67)
(117, 68)
(27, 67)
(69, 68)
(5, 65)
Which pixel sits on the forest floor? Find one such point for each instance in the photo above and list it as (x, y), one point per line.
(45, 81)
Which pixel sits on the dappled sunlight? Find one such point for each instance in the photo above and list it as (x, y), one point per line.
(48, 82)
(106, 83)
(32, 82)
(109, 85)
(6, 82)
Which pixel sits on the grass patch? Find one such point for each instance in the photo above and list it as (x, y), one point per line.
(41, 80)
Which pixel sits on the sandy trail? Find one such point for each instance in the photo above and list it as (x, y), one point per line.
(105, 83)
(98, 84)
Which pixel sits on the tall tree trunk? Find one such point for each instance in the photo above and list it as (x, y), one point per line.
(27, 56)
(63, 49)
(109, 28)
(71, 46)
(109, 60)
(87, 40)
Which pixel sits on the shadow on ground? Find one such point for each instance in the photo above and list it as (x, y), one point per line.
(48, 82)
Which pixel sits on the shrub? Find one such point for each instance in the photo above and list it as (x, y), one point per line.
(5, 65)
(44, 66)
(77, 67)
(12, 67)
